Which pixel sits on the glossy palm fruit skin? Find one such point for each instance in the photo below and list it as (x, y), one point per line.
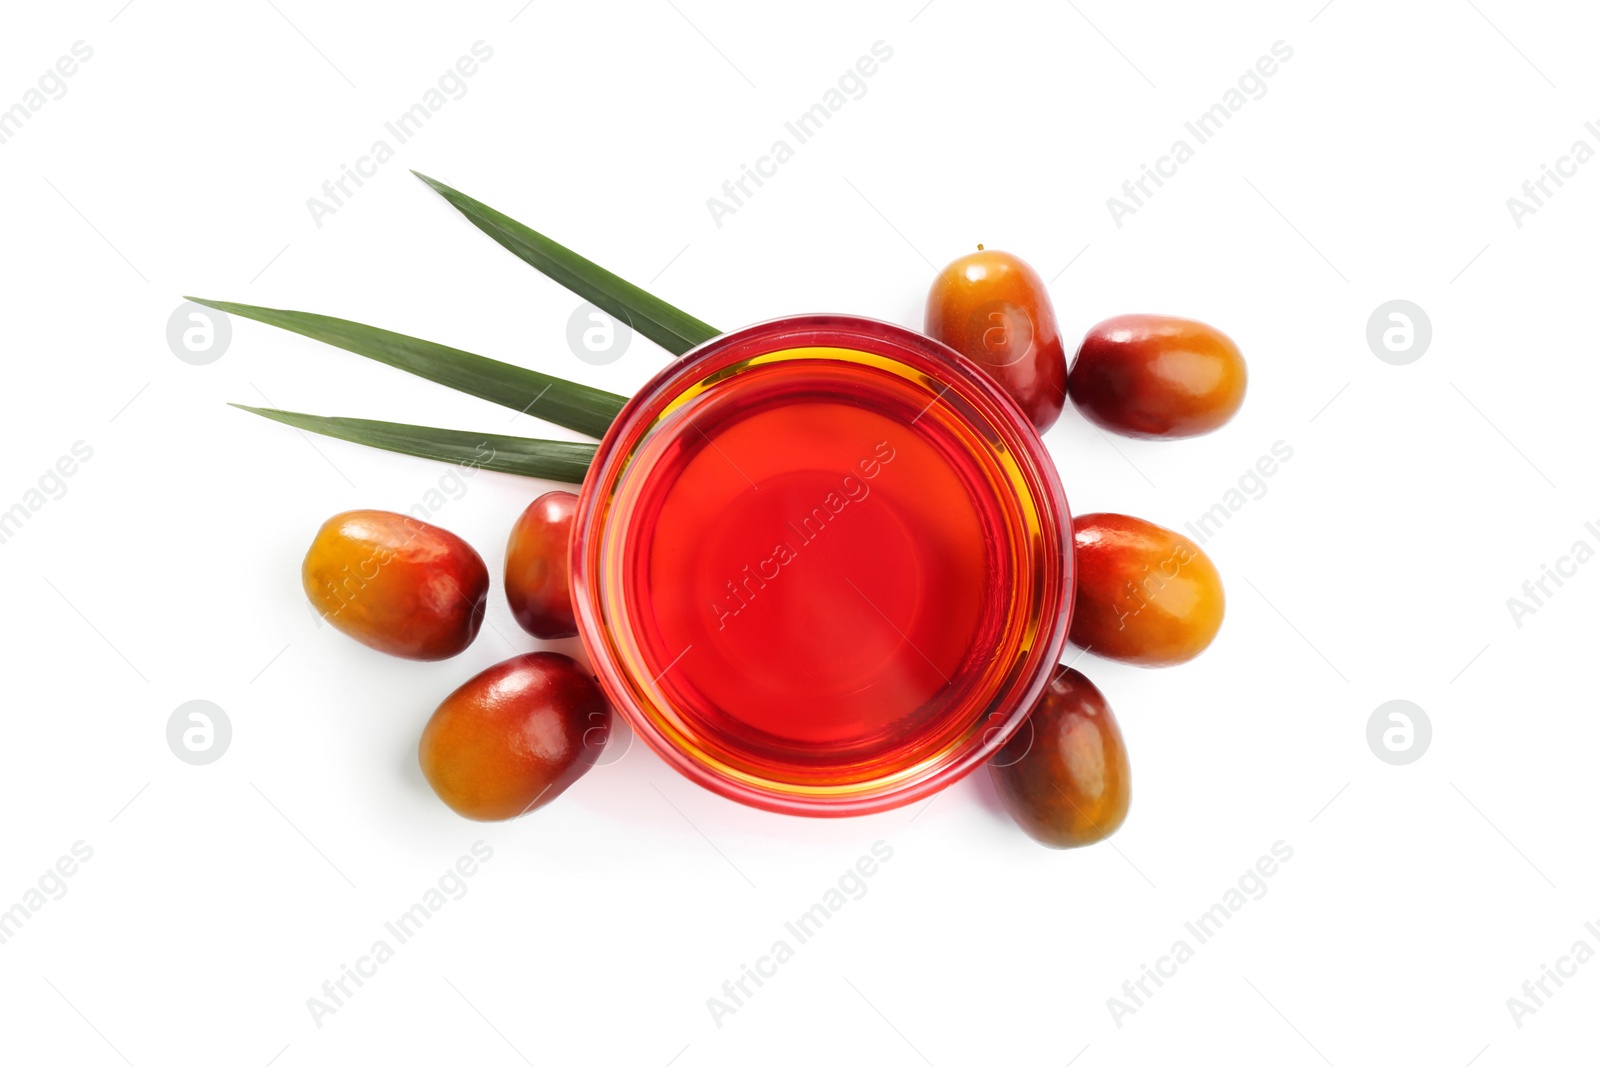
(1146, 595)
(537, 585)
(397, 584)
(514, 737)
(1064, 774)
(994, 309)
(1157, 376)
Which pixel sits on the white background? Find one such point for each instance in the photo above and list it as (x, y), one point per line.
(1377, 565)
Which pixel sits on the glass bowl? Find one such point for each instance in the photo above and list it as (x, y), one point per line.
(823, 565)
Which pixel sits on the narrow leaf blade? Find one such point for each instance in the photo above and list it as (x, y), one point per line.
(560, 461)
(577, 407)
(676, 331)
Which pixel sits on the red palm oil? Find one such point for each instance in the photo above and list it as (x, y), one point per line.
(820, 565)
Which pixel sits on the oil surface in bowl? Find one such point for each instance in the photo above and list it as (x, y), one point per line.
(818, 569)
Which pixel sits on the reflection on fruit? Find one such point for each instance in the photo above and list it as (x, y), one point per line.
(1157, 376)
(1145, 595)
(994, 309)
(512, 738)
(397, 584)
(536, 567)
(1064, 774)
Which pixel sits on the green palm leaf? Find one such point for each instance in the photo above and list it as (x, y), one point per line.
(674, 330)
(561, 461)
(577, 407)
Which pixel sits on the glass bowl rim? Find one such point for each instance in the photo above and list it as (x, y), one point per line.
(824, 331)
